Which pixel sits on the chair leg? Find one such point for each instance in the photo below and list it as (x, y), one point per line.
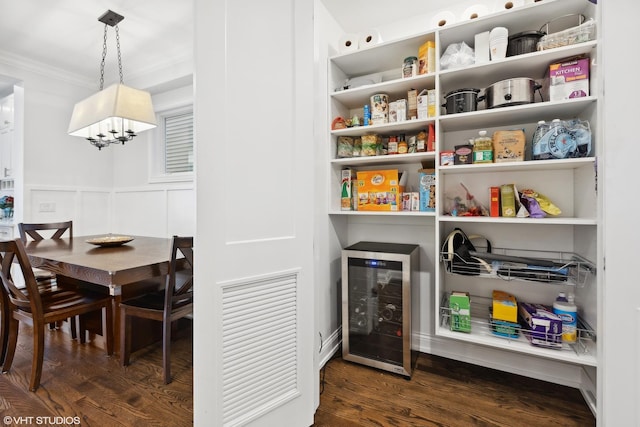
(82, 329)
(38, 356)
(166, 350)
(72, 326)
(108, 328)
(125, 337)
(11, 346)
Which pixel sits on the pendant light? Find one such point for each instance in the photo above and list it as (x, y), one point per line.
(115, 114)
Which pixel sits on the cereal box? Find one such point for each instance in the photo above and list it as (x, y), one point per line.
(427, 186)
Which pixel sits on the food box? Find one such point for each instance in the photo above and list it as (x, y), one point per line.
(380, 190)
(460, 305)
(427, 186)
(427, 58)
(463, 154)
(543, 327)
(504, 306)
(508, 145)
(503, 328)
(569, 79)
(412, 104)
(347, 179)
(507, 200)
(426, 104)
(494, 206)
(447, 158)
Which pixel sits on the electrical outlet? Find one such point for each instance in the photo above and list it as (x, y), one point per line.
(47, 207)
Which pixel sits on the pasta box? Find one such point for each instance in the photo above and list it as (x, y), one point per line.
(380, 190)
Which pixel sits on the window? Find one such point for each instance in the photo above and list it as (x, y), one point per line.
(172, 151)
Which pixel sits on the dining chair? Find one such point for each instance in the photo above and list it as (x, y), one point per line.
(27, 304)
(174, 302)
(41, 231)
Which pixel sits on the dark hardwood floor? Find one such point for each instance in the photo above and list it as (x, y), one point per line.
(80, 380)
(443, 392)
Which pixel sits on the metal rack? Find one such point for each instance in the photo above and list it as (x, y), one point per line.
(485, 326)
(520, 264)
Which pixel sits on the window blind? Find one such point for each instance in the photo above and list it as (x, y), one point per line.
(178, 143)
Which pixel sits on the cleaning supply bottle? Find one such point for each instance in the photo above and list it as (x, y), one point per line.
(566, 309)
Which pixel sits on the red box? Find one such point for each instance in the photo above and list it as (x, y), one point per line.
(494, 207)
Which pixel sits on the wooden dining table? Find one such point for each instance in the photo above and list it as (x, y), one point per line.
(124, 271)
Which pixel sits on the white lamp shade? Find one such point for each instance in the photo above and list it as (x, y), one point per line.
(117, 108)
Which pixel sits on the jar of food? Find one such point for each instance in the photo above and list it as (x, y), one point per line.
(392, 145)
(403, 147)
(410, 67)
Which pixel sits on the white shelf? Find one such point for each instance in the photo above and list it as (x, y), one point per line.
(530, 165)
(385, 213)
(406, 126)
(394, 88)
(522, 345)
(515, 115)
(388, 159)
(528, 221)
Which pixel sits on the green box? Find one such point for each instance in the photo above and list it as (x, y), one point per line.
(460, 305)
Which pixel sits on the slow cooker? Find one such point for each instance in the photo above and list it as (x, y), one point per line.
(508, 92)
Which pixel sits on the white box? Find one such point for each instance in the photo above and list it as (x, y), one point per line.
(482, 47)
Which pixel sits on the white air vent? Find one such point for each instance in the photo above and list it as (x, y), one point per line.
(260, 360)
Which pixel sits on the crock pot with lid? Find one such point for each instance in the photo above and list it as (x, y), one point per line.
(525, 42)
(508, 92)
(462, 100)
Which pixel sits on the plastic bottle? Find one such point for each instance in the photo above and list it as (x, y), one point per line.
(539, 149)
(567, 310)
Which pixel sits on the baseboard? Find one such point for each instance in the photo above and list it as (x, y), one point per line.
(329, 347)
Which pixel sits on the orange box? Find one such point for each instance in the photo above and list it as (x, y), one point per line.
(380, 190)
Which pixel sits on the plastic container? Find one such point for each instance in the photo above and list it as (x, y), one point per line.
(483, 148)
(539, 150)
(410, 67)
(566, 309)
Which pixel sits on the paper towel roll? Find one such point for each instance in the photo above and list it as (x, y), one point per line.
(348, 43)
(502, 5)
(473, 12)
(369, 38)
(442, 18)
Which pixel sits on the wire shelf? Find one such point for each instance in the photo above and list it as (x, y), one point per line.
(586, 335)
(520, 264)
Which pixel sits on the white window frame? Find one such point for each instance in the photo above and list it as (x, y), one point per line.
(158, 149)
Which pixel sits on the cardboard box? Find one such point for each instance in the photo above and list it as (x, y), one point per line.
(463, 154)
(426, 104)
(415, 201)
(508, 145)
(569, 79)
(427, 58)
(494, 207)
(481, 47)
(543, 327)
(504, 307)
(406, 202)
(447, 158)
(507, 200)
(460, 305)
(380, 190)
(347, 179)
(427, 186)
(412, 104)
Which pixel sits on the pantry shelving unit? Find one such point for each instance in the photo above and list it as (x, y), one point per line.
(570, 183)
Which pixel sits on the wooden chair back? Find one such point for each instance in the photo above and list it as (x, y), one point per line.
(33, 230)
(26, 297)
(179, 288)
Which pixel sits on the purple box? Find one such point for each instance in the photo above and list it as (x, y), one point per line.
(542, 327)
(569, 79)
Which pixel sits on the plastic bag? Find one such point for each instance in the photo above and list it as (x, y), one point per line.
(457, 55)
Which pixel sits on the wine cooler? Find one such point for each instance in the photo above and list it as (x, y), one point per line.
(376, 304)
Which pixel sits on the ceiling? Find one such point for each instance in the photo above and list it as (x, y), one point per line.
(66, 36)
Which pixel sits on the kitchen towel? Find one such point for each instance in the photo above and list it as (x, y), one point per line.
(348, 43)
(368, 38)
(442, 18)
